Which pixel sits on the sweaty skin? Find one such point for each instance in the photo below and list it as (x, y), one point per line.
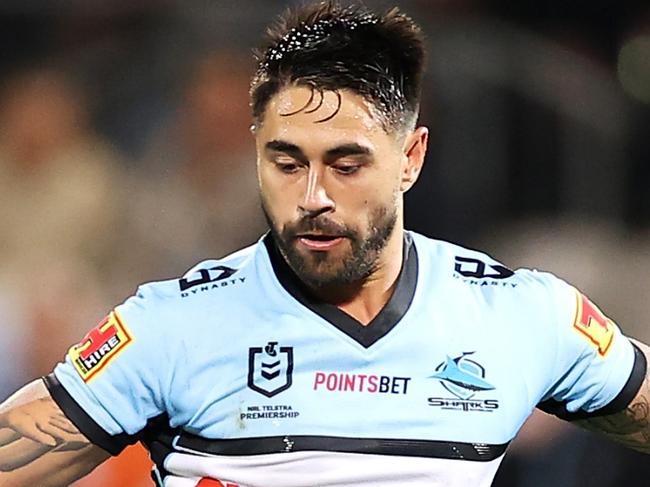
(312, 166)
(343, 174)
(39, 446)
(315, 184)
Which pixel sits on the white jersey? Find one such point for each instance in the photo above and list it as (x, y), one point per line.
(234, 376)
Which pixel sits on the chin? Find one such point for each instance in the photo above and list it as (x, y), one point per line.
(320, 271)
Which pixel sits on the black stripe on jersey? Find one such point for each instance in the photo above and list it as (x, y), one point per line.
(88, 427)
(616, 405)
(157, 435)
(382, 324)
(480, 452)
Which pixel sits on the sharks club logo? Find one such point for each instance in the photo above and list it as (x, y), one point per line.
(465, 379)
(462, 377)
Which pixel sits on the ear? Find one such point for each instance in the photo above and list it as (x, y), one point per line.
(415, 148)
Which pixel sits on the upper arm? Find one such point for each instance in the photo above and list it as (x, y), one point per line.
(631, 426)
(113, 382)
(38, 443)
(593, 369)
(96, 403)
(602, 375)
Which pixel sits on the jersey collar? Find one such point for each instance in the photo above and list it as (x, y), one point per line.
(382, 324)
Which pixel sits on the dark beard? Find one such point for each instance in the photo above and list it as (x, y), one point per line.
(317, 269)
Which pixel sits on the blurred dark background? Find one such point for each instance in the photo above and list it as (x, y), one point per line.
(125, 157)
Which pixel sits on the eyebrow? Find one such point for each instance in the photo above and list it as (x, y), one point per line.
(350, 149)
(282, 146)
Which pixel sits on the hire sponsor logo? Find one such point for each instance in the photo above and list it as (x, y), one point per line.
(203, 280)
(593, 325)
(100, 346)
(464, 379)
(362, 383)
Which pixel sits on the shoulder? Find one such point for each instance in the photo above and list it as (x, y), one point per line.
(440, 252)
(487, 276)
(210, 279)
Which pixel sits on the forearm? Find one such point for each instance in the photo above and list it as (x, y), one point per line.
(55, 469)
(39, 445)
(630, 427)
(21, 452)
(16, 450)
(28, 393)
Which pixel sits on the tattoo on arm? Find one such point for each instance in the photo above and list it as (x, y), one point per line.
(630, 427)
(38, 443)
(33, 430)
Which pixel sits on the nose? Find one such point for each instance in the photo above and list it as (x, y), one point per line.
(316, 199)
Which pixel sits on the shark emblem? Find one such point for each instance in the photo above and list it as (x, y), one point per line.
(462, 377)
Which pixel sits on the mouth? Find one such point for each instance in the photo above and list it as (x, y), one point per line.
(319, 242)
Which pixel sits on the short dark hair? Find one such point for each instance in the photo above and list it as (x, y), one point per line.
(327, 46)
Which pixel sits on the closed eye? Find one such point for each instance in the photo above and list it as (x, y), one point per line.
(287, 167)
(347, 170)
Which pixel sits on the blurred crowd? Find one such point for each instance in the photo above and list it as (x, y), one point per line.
(125, 157)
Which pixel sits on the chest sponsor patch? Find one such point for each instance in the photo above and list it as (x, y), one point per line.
(593, 324)
(100, 346)
(206, 482)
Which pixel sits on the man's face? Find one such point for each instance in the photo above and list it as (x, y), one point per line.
(330, 185)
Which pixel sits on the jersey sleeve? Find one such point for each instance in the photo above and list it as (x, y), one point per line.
(113, 381)
(594, 369)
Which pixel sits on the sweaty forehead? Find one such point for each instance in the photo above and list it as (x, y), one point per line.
(305, 107)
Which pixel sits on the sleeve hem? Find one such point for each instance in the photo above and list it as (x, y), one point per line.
(618, 404)
(113, 444)
(631, 387)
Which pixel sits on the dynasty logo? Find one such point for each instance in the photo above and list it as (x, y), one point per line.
(463, 378)
(478, 273)
(208, 279)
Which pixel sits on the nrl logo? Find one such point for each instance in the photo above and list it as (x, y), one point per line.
(270, 369)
